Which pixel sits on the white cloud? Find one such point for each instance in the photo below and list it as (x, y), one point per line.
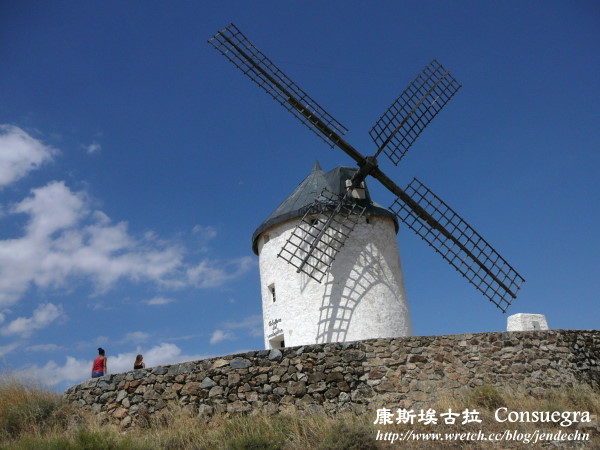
(65, 240)
(205, 233)
(44, 348)
(51, 208)
(166, 353)
(249, 322)
(213, 273)
(78, 370)
(93, 148)
(43, 316)
(252, 324)
(159, 301)
(184, 337)
(136, 337)
(74, 370)
(220, 335)
(20, 154)
(100, 305)
(6, 349)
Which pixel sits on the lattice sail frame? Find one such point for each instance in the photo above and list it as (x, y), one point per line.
(474, 258)
(232, 43)
(407, 117)
(317, 239)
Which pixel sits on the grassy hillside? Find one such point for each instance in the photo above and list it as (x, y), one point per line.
(34, 418)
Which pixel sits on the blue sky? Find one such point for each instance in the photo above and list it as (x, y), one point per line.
(136, 162)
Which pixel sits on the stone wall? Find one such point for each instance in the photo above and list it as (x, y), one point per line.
(360, 376)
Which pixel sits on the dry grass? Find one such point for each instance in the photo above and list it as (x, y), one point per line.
(24, 407)
(33, 418)
(177, 429)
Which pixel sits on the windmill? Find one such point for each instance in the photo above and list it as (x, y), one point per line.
(326, 225)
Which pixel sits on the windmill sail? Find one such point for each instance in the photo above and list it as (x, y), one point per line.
(322, 232)
(327, 224)
(459, 244)
(407, 117)
(232, 43)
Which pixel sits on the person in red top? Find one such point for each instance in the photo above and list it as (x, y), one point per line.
(99, 367)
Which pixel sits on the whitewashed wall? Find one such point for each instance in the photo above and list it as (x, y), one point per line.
(526, 322)
(362, 297)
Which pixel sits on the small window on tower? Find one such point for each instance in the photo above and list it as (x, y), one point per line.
(272, 292)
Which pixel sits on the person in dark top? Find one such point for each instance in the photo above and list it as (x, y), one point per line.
(139, 363)
(99, 366)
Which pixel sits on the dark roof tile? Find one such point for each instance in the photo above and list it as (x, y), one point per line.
(306, 193)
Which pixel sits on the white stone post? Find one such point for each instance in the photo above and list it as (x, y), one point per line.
(526, 322)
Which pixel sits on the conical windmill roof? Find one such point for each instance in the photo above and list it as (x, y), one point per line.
(308, 190)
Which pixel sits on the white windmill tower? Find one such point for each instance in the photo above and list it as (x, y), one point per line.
(360, 295)
(345, 241)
